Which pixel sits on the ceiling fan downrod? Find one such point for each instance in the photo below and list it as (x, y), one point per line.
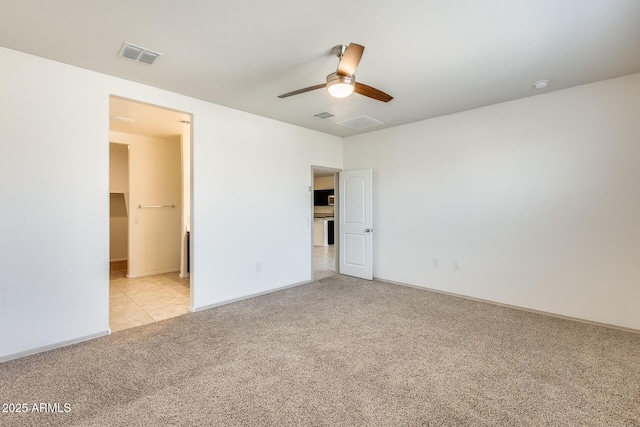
(339, 50)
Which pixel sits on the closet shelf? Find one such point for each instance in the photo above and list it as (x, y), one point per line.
(119, 205)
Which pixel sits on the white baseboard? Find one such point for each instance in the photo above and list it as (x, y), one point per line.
(48, 347)
(218, 304)
(151, 273)
(515, 307)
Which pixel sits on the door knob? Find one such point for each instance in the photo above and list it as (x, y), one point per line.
(368, 230)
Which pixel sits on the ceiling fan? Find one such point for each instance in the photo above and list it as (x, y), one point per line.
(342, 82)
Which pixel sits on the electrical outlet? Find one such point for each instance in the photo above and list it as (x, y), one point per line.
(436, 262)
(456, 265)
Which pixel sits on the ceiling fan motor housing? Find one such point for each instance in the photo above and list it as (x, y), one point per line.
(335, 78)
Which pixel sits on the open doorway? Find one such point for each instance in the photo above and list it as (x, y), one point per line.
(150, 170)
(324, 227)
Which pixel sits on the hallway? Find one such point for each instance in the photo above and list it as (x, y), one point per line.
(143, 300)
(324, 261)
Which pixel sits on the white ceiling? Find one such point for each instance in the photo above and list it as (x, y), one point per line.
(149, 120)
(434, 56)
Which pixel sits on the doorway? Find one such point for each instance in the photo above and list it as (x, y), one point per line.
(155, 195)
(324, 211)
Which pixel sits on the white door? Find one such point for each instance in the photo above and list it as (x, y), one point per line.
(356, 225)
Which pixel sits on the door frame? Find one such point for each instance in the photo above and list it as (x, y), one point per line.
(183, 220)
(336, 213)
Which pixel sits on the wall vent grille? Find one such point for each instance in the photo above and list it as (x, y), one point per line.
(360, 122)
(137, 53)
(324, 115)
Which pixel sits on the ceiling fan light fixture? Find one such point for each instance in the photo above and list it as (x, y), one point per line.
(340, 86)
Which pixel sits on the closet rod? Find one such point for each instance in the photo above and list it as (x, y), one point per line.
(157, 206)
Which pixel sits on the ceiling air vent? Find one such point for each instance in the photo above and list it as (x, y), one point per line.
(360, 122)
(324, 115)
(138, 53)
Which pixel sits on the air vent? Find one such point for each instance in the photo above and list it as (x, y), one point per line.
(324, 115)
(138, 53)
(360, 122)
(148, 57)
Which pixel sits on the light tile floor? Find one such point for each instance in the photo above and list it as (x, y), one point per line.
(135, 302)
(324, 261)
(143, 300)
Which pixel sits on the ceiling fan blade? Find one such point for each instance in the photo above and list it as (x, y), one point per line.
(350, 60)
(306, 89)
(372, 92)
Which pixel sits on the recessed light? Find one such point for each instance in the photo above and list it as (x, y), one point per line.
(541, 84)
(123, 119)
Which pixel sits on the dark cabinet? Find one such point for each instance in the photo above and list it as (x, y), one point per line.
(330, 234)
(321, 197)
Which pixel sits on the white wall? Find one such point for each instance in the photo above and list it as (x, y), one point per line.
(118, 228)
(323, 183)
(253, 190)
(185, 142)
(118, 168)
(538, 199)
(250, 200)
(119, 215)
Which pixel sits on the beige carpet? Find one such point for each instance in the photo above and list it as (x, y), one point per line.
(339, 352)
